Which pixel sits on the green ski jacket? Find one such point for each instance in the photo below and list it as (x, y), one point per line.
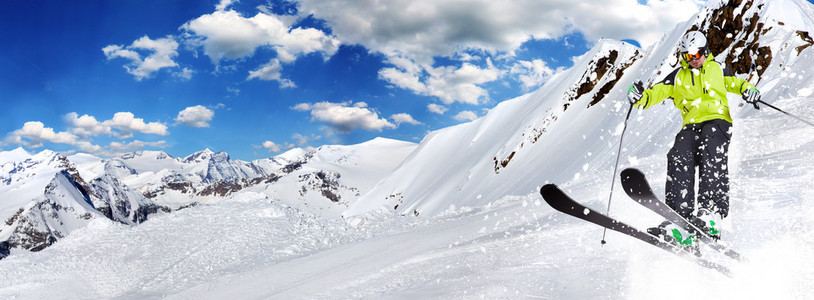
(700, 94)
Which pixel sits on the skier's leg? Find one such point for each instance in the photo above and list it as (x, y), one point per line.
(680, 186)
(713, 185)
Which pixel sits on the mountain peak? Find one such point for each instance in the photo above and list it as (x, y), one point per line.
(48, 157)
(18, 154)
(205, 155)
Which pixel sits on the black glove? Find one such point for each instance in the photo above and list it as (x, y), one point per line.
(634, 92)
(752, 96)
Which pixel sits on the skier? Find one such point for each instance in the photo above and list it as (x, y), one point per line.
(698, 89)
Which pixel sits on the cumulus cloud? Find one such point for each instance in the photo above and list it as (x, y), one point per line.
(423, 29)
(346, 116)
(125, 122)
(184, 74)
(226, 34)
(36, 133)
(477, 39)
(450, 84)
(33, 134)
(412, 33)
(466, 116)
(271, 71)
(128, 123)
(224, 4)
(86, 125)
(437, 109)
(533, 73)
(270, 146)
(404, 118)
(161, 53)
(195, 116)
(81, 130)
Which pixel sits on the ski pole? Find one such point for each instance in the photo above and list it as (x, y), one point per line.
(786, 113)
(615, 168)
(751, 70)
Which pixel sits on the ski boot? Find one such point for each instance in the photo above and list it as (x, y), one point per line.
(709, 222)
(676, 236)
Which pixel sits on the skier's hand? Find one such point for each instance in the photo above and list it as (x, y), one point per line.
(752, 96)
(634, 92)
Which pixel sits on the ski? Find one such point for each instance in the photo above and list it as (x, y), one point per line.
(558, 200)
(637, 187)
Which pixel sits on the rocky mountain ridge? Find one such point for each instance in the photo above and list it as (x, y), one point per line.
(47, 195)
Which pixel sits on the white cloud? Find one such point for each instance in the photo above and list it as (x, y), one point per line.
(195, 116)
(533, 73)
(412, 33)
(127, 123)
(404, 118)
(226, 34)
(80, 130)
(466, 116)
(271, 71)
(404, 79)
(449, 84)
(88, 147)
(438, 109)
(423, 29)
(270, 146)
(302, 107)
(36, 133)
(345, 117)
(161, 54)
(86, 125)
(224, 4)
(184, 74)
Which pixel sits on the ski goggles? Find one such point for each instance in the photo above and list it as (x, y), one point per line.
(689, 57)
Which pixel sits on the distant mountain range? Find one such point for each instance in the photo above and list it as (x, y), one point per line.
(46, 196)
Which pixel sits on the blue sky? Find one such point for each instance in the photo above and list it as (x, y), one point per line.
(256, 78)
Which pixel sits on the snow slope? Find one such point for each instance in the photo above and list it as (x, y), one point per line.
(469, 240)
(332, 178)
(47, 196)
(560, 132)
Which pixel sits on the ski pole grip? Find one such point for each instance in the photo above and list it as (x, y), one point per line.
(639, 86)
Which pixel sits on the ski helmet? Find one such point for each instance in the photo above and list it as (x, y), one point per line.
(693, 42)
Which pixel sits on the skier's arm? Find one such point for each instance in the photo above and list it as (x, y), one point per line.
(655, 95)
(658, 92)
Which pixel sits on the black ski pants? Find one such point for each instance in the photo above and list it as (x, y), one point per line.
(704, 146)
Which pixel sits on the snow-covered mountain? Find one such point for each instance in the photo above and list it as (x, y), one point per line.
(572, 125)
(330, 179)
(46, 196)
(482, 229)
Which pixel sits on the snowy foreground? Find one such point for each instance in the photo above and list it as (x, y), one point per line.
(482, 231)
(252, 247)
